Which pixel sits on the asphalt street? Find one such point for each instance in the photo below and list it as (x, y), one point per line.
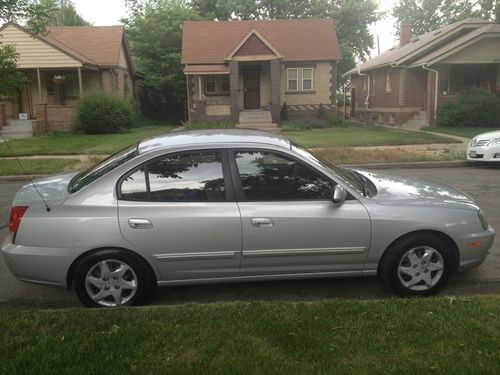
(480, 182)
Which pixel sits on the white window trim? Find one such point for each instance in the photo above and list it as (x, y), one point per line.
(388, 79)
(312, 79)
(288, 79)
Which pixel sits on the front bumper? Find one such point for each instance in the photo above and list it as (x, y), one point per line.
(471, 257)
(39, 265)
(483, 153)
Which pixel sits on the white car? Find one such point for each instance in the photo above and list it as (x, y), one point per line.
(484, 147)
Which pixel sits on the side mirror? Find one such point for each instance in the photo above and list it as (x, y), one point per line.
(339, 194)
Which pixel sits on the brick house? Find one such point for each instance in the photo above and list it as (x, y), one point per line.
(404, 85)
(234, 68)
(61, 66)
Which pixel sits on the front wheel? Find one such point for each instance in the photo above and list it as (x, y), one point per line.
(111, 278)
(417, 265)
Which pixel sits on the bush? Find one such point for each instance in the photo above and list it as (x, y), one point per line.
(322, 112)
(103, 113)
(337, 121)
(284, 112)
(475, 108)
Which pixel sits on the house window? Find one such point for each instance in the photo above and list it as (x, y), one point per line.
(292, 79)
(388, 87)
(372, 83)
(125, 85)
(217, 84)
(307, 79)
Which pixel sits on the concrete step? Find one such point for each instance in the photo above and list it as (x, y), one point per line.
(253, 122)
(18, 125)
(255, 115)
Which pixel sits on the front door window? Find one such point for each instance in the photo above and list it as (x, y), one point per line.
(251, 81)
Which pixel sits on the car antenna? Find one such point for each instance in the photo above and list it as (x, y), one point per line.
(24, 170)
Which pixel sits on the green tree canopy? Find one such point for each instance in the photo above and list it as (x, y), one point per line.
(10, 77)
(64, 13)
(428, 15)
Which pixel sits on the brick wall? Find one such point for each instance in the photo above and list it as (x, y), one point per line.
(54, 118)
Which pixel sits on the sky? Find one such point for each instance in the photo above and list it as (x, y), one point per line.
(109, 12)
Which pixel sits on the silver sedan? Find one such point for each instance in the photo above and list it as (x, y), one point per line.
(224, 206)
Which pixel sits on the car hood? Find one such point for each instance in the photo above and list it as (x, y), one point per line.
(396, 190)
(489, 135)
(54, 190)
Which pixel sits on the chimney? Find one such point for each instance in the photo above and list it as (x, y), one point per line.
(405, 33)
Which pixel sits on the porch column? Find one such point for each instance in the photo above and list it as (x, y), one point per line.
(39, 81)
(431, 99)
(234, 91)
(275, 91)
(80, 84)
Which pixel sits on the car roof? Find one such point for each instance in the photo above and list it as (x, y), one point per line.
(217, 137)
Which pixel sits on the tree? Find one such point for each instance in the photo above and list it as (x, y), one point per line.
(64, 13)
(428, 15)
(34, 13)
(10, 77)
(154, 29)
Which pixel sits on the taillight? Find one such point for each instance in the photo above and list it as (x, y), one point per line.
(16, 214)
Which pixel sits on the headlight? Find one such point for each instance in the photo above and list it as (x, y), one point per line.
(494, 141)
(483, 219)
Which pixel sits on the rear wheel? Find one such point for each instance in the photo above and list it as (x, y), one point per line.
(112, 278)
(417, 265)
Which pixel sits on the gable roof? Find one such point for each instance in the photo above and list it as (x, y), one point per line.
(97, 46)
(211, 42)
(422, 46)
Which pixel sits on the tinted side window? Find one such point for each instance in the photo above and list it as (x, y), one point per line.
(267, 176)
(190, 177)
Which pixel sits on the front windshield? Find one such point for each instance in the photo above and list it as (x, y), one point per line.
(84, 178)
(338, 172)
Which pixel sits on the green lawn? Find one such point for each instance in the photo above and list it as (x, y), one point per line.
(461, 132)
(362, 135)
(10, 167)
(444, 335)
(73, 144)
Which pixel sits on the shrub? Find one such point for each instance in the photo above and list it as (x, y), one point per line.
(284, 112)
(322, 112)
(475, 108)
(103, 113)
(336, 121)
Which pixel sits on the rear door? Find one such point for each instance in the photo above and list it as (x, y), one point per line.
(290, 224)
(180, 209)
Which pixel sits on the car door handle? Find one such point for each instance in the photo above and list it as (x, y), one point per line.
(140, 223)
(262, 222)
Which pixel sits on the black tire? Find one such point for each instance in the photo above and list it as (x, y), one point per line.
(389, 265)
(140, 272)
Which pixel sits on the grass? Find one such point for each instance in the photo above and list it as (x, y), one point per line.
(10, 167)
(349, 156)
(210, 125)
(418, 336)
(363, 135)
(74, 144)
(461, 132)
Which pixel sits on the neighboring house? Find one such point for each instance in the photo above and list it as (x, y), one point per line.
(235, 67)
(61, 66)
(409, 81)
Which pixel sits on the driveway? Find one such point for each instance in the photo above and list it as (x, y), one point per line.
(480, 182)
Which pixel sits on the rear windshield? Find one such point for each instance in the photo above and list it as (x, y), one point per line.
(82, 179)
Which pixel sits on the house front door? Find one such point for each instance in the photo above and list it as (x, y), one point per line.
(251, 86)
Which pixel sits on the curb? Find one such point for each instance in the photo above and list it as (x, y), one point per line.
(419, 164)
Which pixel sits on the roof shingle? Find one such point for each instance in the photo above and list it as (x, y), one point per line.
(209, 42)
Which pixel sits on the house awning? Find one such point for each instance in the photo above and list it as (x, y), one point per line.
(206, 69)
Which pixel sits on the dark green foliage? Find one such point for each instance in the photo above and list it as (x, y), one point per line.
(33, 13)
(340, 100)
(475, 108)
(102, 113)
(336, 121)
(284, 112)
(64, 13)
(11, 79)
(321, 112)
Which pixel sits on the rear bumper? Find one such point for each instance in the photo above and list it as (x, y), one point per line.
(471, 257)
(39, 265)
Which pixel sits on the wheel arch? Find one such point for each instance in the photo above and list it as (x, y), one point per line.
(72, 268)
(443, 236)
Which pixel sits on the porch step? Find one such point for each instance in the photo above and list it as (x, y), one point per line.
(417, 122)
(17, 129)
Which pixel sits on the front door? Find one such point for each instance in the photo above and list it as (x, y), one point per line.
(178, 210)
(290, 224)
(251, 85)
